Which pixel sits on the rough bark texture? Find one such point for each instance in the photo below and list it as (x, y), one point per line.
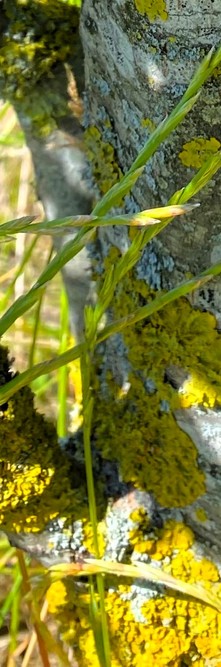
(157, 419)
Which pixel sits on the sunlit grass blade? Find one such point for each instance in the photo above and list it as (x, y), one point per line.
(17, 225)
(63, 370)
(66, 225)
(145, 571)
(7, 555)
(41, 385)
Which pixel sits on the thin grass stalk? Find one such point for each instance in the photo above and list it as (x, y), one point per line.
(25, 259)
(101, 635)
(7, 604)
(33, 638)
(26, 301)
(63, 370)
(27, 589)
(15, 615)
(37, 317)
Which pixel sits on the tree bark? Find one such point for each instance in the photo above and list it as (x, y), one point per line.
(156, 428)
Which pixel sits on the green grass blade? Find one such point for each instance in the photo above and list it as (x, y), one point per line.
(17, 225)
(37, 317)
(198, 182)
(8, 553)
(25, 259)
(75, 352)
(26, 301)
(63, 370)
(203, 72)
(19, 307)
(96, 623)
(39, 370)
(159, 302)
(163, 130)
(117, 192)
(8, 602)
(100, 629)
(15, 618)
(67, 225)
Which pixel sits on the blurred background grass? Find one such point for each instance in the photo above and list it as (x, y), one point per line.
(17, 198)
(21, 261)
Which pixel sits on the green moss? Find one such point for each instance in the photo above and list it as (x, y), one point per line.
(103, 159)
(139, 429)
(154, 9)
(198, 150)
(37, 36)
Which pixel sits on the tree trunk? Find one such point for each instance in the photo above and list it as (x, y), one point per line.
(156, 429)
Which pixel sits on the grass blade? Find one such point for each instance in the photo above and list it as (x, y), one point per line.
(37, 318)
(26, 301)
(158, 303)
(149, 572)
(8, 602)
(117, 192)
(75, 352)
(63, 370)
(25, 259)
(43, 368)
(203, 72)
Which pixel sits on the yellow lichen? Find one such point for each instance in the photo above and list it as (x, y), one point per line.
(172, 631)
(102, 155)
(197, 391)
(147, 122)
(140, 430)
(171, 537)
(154, 9)
(89, 538)
(201, 514)
(35, 480)
(198, 150)
(56, 596)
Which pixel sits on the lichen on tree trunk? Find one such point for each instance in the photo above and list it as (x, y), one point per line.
(162, 483)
